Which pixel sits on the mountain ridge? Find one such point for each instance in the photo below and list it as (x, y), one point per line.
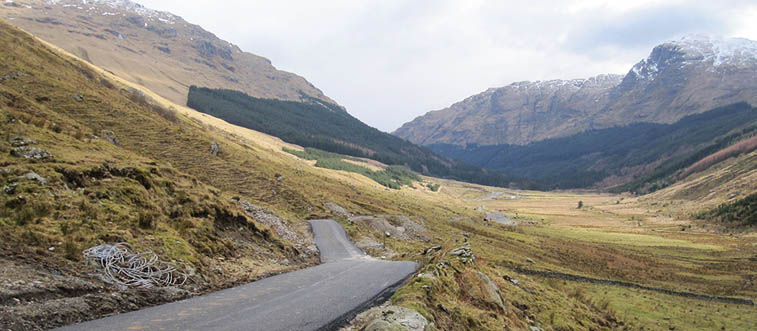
(155, 49)
(679, 78)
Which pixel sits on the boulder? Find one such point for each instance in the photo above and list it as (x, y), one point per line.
(110, 137)
(398, 226)
(338, 210)
(395, 318)
(482, 290)
(215, 148)
(463, 253)
(21, 141)
(33, 153)
(10, 188)
(432, 249)
(36, 177)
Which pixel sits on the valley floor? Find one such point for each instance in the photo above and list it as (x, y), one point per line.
(615, 262)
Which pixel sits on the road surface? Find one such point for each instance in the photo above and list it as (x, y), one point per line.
(316, 298)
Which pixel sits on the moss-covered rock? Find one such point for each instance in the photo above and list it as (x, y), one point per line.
(481, 290)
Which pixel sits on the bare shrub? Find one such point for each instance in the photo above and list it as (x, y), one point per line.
(744, 146)
(167, 113)
(107, 83)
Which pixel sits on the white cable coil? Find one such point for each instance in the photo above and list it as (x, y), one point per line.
(122, 266)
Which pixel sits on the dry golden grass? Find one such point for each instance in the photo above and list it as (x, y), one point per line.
(611, 237)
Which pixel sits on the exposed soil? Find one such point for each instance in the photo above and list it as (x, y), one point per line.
(37, 294)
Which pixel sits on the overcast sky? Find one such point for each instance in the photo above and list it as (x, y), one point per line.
(389, 61)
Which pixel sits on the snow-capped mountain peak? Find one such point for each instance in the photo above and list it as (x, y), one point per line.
(733, 51)
(712, 52)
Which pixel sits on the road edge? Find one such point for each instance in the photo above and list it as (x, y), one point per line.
(378, 299)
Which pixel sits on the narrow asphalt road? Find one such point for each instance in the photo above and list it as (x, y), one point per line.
(316, 298)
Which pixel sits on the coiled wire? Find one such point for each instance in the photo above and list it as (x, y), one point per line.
(136, 269)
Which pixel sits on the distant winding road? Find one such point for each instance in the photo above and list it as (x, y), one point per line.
(316, 298)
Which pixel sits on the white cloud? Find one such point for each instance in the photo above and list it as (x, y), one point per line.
(389, 61)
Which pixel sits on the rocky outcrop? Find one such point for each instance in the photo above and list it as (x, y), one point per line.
(679, 78)
(398, 226)
(338, 210)
(32, 153)
(33, 176)
(463, 253)
(304, 244)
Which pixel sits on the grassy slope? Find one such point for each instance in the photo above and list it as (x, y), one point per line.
(388, 176)
(98, 192)
(657, 254)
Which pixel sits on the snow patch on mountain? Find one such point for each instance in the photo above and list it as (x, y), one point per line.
(604, 80)
(721, 51)
(710, 51)
(106, 6)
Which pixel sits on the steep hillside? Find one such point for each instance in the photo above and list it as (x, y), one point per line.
(679, 78)
(86, 162)
(646, 156)
(157, 50)
(325, 126)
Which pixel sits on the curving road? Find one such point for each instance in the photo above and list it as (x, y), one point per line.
(316, 298)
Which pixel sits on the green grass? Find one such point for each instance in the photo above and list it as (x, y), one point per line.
(392, 176)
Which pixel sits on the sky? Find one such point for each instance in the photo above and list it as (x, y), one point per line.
(389, 61)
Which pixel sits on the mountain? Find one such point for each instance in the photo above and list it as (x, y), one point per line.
(515, 114)
(650, 155)
(157, 50)
(679, 78)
